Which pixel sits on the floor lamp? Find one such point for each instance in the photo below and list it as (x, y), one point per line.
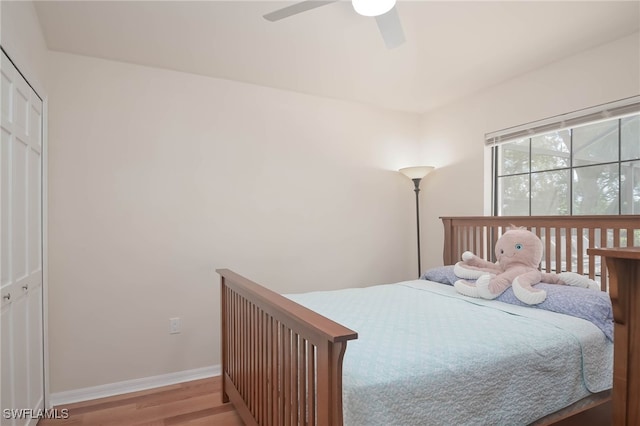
(416, 174)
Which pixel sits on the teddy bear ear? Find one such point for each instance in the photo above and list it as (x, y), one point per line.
(513, 227)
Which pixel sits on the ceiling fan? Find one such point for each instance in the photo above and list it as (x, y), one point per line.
(384, 11)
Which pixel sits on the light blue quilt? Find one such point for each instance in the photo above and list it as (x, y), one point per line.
(426, 355)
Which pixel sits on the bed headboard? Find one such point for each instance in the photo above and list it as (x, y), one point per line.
(565, 239)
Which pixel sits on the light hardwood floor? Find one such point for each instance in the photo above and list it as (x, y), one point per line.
(192, 403)
(199, 403)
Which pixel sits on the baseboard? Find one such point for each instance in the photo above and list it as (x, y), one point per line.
(127, 386)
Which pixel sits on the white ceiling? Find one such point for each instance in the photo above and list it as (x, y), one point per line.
(453, 48)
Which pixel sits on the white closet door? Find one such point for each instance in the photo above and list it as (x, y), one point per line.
(21, 248)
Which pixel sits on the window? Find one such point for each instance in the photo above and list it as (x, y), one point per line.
(592, 168)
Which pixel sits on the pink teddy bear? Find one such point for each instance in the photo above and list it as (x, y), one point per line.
(519, 253)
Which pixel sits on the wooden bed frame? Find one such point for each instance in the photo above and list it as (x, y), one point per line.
(282, 363)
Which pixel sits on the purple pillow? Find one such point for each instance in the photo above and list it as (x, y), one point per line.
(591, 305)
(441, 274)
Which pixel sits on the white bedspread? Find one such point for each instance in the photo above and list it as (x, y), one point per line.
(426, 355)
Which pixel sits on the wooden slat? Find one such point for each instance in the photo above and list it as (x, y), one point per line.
(547, 249)
(311, 380)
(244, 350)
(251, 359)
(295, 379)
(224, 331)
(254, 354)
(580, 251)
(495, 234)
(275, 371)
(558, 254)
(286, 380)
(281, 372)
(447, 250)
(302, 355)
(567, 249)
(268, 367)
(455, 241)
(323, 387)
(604, 233)
(480, 239)
(261, 367)
(592, 260)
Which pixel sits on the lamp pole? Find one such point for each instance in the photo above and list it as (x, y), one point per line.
(416, 174)
(416, 182)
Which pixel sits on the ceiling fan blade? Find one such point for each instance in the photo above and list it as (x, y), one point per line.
(391, 28)
(296, 8)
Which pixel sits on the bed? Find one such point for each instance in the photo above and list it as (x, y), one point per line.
(284, 362)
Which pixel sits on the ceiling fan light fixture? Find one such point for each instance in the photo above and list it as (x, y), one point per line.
(373, 7)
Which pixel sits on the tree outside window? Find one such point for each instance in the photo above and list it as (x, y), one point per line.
(593, 169)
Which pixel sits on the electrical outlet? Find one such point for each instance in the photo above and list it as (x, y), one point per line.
(174, 325)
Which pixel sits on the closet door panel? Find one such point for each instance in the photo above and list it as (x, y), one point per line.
(21, 353)
(19, 215)
(7, 370)
(35, 345)
(34, 231)
(5, 213)
(34, 225)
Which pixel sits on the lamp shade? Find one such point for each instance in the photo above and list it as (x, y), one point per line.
(373, 7)
(416, 172)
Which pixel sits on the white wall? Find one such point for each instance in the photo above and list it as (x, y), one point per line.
(22, 39)
(157, 178)
(452, 137)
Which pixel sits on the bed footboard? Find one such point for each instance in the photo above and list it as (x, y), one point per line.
(281, 362)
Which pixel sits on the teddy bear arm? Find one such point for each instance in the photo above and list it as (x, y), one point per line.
(493, 270)
(510, 274)
(498, 285)
(551, 279)
(524, 292)
(479, 263)
(501, 282)
(467, 288)
(529, 278)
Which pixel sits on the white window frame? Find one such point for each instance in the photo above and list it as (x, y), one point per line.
(613, 110)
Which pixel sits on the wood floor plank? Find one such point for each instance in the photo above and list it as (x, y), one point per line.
(194, 403)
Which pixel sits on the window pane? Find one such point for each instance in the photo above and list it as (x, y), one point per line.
(550, 193)
(514, 157)
(630, 128)
(595, 143)
(630, 190)
(591, 169)
(550, 151)
(595, 190)
(513, 193)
